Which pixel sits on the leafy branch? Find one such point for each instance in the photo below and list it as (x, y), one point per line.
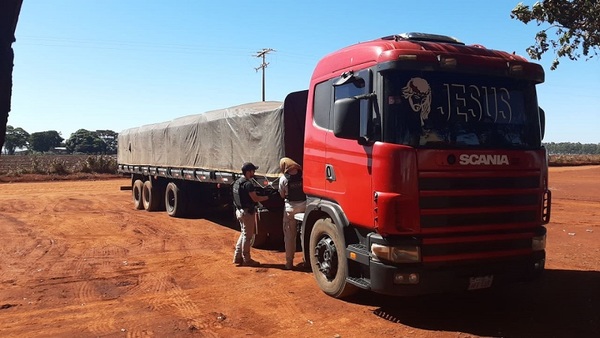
(576, 24)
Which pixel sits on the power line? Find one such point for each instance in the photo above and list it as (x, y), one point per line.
(262, 54)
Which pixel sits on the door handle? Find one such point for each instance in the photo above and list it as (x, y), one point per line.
(329, 173)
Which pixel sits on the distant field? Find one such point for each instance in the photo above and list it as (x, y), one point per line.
(573, 160)
(72, 164)
(16, 165)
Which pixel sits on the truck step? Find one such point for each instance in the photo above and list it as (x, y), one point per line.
(362, 283)
(359, 248)
(358, 252)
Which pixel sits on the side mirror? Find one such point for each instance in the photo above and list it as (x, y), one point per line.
(346, 118)
(542, 122)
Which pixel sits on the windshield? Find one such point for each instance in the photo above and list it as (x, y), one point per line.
(451, 110)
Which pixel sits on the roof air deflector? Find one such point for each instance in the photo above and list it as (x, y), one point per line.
(414, 36)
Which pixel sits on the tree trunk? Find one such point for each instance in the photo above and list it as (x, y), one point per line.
(9, 14)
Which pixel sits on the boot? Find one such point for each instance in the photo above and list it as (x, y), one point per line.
(251, 262)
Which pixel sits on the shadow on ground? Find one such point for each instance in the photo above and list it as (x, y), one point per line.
(223, 218)
(562, 304)
(227, 219)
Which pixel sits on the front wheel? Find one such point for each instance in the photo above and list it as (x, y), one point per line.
(328, 260)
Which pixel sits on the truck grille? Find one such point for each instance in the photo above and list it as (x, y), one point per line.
(469, 214)
(490, 198)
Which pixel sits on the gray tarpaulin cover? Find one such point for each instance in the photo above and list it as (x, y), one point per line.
(219, 140)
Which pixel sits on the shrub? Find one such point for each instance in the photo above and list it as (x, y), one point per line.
(100, 164)
(18, 172)
(58, 167)
(37, 166)
(573, 160)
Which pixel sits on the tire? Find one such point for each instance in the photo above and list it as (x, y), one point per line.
(175, 202)
(151, 197)
(136, 193)
(328, 259)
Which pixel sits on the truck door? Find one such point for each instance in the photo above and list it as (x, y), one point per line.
(348, 163)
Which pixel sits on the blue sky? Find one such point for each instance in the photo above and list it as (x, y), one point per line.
(116, 64)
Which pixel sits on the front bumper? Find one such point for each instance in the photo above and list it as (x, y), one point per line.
(456, 277)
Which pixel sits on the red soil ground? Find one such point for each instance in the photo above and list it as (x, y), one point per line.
(78, 261)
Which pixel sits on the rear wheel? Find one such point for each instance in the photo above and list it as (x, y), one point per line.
(136, 193)
(151, 197)
(328, 260)
(175, 200)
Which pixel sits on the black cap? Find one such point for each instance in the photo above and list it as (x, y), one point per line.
(248, 166)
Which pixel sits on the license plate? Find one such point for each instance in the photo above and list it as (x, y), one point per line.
(482, 282)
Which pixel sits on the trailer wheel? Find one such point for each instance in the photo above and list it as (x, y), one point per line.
(174, 200)
(151, 197)
(328, 259)
(136, 193)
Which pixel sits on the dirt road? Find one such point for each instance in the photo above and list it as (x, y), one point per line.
(77, 260)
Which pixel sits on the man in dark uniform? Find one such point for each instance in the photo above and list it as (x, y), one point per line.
(245, 200)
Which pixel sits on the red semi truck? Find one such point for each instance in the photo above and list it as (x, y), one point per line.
(423, 165)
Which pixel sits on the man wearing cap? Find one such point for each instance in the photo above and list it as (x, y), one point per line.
(245, 200)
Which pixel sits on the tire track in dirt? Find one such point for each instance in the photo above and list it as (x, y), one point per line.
(14, 252)
(98, 261)
(176, 277)
(103, 274)
(73, 204)
(149, 238)
(28, 245)
(138, 332)
(102, 327)
(18, 206)
(163, 294)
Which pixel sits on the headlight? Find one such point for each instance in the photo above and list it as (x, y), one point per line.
(538, 243)
(396, 254)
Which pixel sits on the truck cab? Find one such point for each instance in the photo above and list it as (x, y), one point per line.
(424, 168)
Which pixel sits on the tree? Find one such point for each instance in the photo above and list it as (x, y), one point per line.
(110, 138)
(577, 25)
(15, 138)
(571, 148)
(9, 15)
(44, 140)
(87, 142)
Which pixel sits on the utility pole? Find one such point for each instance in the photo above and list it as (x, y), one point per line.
(263, 53)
